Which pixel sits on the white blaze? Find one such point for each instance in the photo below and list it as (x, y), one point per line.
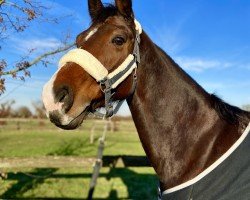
(91, 33)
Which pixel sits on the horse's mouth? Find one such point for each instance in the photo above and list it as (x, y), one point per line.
(76, 122)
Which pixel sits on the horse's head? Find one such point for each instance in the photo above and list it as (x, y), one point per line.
(103, 51)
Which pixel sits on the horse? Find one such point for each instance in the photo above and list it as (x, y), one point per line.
(197, 144)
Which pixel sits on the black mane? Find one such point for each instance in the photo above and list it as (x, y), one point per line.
(231, 114)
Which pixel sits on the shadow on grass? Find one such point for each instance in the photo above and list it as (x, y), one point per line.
(139, 186)
(26, 182)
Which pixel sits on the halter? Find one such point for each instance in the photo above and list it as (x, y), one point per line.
(108, 81)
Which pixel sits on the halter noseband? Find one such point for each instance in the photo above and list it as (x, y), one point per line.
(107, 81)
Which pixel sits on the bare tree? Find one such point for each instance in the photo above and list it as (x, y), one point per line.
(23, 66)
(23, 112)
(39, 110)
(15, 16)
(6, 109)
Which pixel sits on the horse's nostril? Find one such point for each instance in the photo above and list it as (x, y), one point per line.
(64, 95)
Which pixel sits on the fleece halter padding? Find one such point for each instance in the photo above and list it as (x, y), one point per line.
(94, 67)
(87, 61)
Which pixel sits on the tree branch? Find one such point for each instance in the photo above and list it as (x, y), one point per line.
(11, 22)
(36, 60)
(2, 2)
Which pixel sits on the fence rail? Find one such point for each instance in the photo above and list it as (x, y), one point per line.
(71, 162)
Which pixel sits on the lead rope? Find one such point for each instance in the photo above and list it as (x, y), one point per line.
(99, 161)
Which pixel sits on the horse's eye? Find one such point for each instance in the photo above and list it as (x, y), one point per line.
(118, 41)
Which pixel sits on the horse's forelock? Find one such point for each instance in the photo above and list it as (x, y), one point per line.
(108, 10)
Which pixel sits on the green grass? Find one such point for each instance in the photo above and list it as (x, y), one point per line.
(35, 139)
(120, 183)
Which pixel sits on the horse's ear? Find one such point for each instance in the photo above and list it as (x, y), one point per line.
(95, 8)
(125, 7)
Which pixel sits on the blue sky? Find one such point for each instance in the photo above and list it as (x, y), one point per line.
(209, 39)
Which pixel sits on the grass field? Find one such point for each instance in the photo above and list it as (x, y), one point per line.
(40, 138)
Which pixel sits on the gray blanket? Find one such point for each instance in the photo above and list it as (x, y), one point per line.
(229, 181)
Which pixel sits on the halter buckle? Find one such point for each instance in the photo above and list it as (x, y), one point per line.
(105, 85)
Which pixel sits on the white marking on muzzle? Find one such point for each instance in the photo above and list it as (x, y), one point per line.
(50, 104)
(48, 96)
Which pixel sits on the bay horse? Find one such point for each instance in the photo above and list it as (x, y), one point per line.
(197, 144)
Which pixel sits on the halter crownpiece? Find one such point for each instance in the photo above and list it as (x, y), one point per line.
(138, 26)
(95, 68)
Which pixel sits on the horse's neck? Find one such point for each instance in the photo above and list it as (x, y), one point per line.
(176, 124)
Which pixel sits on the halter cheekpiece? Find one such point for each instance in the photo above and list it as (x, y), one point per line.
(107, 81)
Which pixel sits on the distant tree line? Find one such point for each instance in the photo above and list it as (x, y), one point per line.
(246, 107)
(7, 110)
